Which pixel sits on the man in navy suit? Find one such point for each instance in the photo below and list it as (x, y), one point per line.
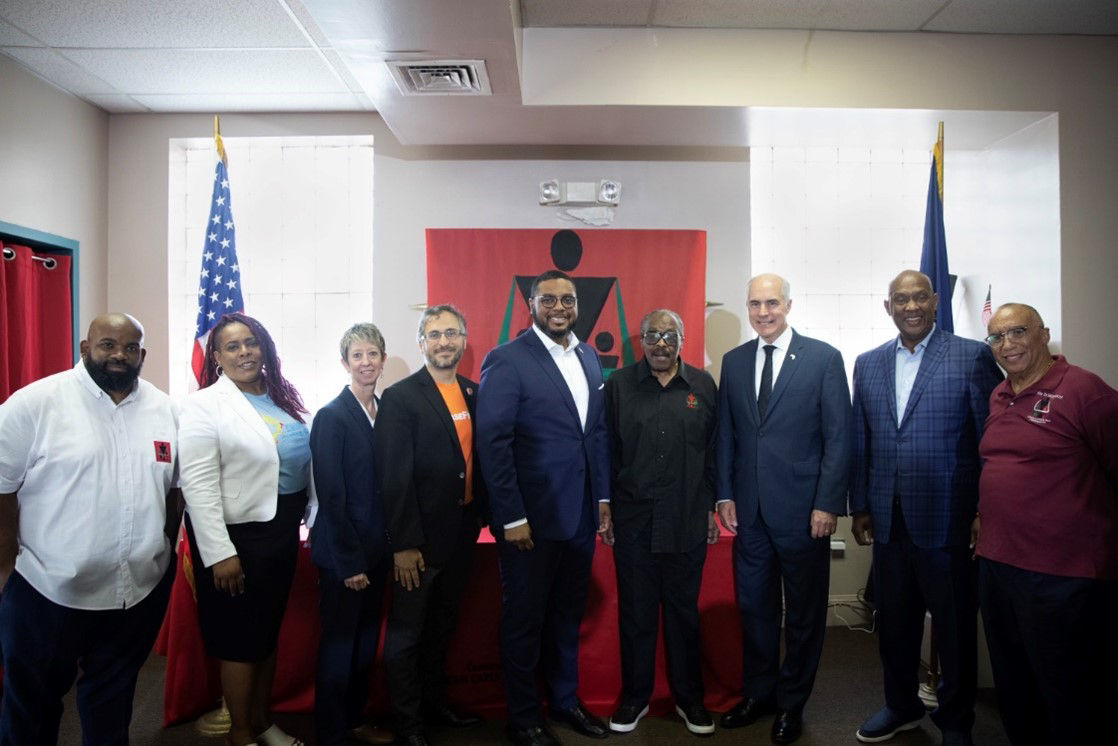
(920, 401)
(783, 461)
(544, 451)
(433, 498)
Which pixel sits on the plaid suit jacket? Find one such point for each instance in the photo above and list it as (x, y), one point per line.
(930, 460)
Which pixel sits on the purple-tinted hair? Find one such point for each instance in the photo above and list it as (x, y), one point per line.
(282, 393)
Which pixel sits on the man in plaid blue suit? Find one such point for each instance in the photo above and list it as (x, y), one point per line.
(920, 402)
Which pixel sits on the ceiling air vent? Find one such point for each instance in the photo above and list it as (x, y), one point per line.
(440, 77)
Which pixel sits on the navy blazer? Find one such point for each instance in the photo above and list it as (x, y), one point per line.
(422, 470)
(798, 459)
(533, 449)
(931, 459)
(348, 535)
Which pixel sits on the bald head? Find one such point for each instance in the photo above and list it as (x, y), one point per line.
(912, 278)
(113, 352)
(1022, 311)
(115, 321)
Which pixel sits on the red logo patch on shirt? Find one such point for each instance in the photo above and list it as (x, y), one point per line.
(692, 402)
(163, 451)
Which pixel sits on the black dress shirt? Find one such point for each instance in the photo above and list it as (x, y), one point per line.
(662, 452)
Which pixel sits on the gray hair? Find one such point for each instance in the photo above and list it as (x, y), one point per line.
(785, 286)
(648, 317)
(432, 311)
(364, 332)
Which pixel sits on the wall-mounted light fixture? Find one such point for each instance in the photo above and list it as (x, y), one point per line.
(602, 192)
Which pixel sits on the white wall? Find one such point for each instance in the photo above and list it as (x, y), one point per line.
(53, 160)
(1002, 209)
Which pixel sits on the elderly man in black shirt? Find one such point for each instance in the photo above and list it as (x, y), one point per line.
(661, 415)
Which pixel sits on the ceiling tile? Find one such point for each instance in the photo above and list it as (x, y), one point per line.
(48, 64)
(148, 71)
(155, 23)
(586, 12)
(10, 36)
(1029, 17)
(230, 102)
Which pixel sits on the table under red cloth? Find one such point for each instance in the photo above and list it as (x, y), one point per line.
(192, 686)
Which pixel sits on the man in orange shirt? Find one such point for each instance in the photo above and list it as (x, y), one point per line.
(433, 496)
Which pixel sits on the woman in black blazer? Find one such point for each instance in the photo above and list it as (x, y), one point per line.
(348, 541)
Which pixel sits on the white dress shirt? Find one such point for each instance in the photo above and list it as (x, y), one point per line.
(92, 479)
(570, 366)
(781, 343)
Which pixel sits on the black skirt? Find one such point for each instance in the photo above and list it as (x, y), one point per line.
(245, 628)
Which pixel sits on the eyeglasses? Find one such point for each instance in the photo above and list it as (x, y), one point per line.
(1016, 334)
(671, 339)
(449, 335)
(548, 301)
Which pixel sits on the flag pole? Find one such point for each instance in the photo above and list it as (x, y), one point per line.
(221, 144)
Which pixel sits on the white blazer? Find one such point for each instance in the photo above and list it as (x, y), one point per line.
(228, 466)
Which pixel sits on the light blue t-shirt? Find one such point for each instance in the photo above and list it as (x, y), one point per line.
(292, 441)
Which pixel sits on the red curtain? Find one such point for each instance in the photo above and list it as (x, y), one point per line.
(620, 275)
(36, 330)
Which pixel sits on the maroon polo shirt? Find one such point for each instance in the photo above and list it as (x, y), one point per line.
(1048, 495)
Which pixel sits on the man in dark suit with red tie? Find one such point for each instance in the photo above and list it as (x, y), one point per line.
(783, 457)
(434, 500)
(544, 449)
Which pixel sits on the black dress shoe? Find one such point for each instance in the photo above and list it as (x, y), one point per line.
(787, 727)
(746, 712)
(581, 721)
(533, 736)
(448, 718)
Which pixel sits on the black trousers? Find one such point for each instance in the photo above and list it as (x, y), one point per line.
(420, 624)
(1054, 650)
(648, 584)
(767, 560)
(347, 647)
(910, 580)
(45, 643)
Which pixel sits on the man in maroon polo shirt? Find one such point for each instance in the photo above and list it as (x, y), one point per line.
(1047, 536)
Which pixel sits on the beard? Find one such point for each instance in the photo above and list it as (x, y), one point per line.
(448, 365)
(111, 380)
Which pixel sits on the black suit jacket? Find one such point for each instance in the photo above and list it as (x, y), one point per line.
(348, 536)
(421, 468)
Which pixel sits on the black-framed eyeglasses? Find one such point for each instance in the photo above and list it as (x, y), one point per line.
(1016, 334)
(449, 335)
(671, 339)
(548, 301)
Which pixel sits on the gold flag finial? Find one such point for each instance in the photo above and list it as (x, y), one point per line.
(937, 153)
(221, 145)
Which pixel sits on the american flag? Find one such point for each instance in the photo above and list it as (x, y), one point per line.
(219, 285)
(987, 310)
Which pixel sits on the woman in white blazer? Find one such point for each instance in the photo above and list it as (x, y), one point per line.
(244, 460)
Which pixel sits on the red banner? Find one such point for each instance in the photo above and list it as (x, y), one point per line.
(620, 275)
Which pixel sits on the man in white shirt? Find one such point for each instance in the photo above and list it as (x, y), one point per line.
(88, 513)
(544, 451)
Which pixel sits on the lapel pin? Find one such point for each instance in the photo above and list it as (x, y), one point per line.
(792, 355)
